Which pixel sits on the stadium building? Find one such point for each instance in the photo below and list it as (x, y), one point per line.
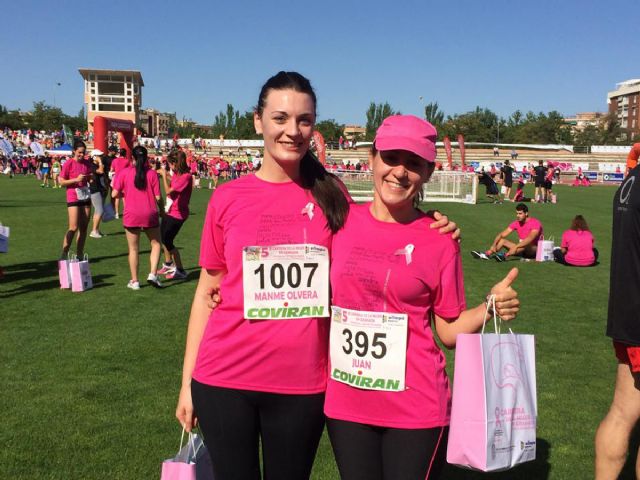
(624, 103)
(112, 93)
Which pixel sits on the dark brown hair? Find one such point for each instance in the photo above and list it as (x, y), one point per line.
(324, 186)
(140, 156)
(180, 159)
(579, 223)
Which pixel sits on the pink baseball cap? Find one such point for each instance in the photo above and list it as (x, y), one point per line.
(407, 132)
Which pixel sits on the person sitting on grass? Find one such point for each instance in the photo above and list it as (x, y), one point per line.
(577, 248)
(519, 196)
(529, 231)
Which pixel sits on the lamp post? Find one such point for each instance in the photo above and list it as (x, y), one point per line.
(421, 98)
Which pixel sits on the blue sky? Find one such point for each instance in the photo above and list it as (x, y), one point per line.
(195, 57)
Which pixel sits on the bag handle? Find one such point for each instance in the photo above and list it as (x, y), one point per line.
(497, 321)
(190, 442)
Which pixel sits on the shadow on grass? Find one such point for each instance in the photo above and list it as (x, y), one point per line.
(629, 469)
(539, 469)
(98, 282)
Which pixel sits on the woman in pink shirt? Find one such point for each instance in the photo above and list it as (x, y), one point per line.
(178, 194)
(396, 283)
(577, 247)
(75, 176)
(140, 187)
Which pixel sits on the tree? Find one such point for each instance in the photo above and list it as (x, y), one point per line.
(434, 115)
(330, 129)
(376, 113)
(11, 118)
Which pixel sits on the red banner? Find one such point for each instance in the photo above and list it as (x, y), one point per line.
(321, 148)
(461, 147)
(447, 149)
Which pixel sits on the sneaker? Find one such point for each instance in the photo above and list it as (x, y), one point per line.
(117, 216)
(500, 257)
(166, 268)
(133, 285)
(96, 235)
(153, 281)
(176, 275)
(479, 255)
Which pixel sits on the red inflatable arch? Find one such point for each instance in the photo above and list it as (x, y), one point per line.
(103, 125)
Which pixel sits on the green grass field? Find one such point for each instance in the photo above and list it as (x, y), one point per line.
(90, 380)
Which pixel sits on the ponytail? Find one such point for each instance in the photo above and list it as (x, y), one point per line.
(140, 156)
(325, 190)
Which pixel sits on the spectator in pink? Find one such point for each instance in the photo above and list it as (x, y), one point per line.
(141, 188)
(577, 247)
(117, 165)
(529, 231)
(75, 176)
(178, 193)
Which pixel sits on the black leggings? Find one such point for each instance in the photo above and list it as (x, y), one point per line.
(365, 452)
(168, 231)
(559, 257)
(233, 421)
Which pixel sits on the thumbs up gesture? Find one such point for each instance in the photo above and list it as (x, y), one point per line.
(507, 303)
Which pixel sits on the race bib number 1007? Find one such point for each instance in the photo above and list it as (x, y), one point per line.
(284, 282)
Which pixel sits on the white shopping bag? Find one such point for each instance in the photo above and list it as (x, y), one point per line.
(503, 190)
(544, 253)
(4, 239)
(494, 408)
(80, 275)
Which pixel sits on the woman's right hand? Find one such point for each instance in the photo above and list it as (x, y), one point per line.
(184, 410)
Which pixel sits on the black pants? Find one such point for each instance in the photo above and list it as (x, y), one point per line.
(234, 421)
(365, 452)
(168, 230)
(559, 257)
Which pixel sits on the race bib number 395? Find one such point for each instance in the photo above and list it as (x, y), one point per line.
(368, 349)
(283, 282)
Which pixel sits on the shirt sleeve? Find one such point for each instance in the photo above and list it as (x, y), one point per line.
(212, 241)
(117, 182)
(449, 298)
(513, 225)
(64, 173)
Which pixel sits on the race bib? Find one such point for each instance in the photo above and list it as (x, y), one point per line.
(167, 205)
(284, 282)
(368, 349)
(83, 193)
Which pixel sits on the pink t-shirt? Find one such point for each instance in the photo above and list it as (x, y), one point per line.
(281, 356)
(71, 169)
(141, 207)
(181, 188)
(368, 274)
(579, 245)
(523, 230)
(119, 163)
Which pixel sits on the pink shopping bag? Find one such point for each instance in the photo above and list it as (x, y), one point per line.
(64, 270)
(191, 463)
(80, 275)
(494, 406)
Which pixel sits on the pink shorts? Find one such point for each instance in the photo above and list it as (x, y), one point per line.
(628, 355)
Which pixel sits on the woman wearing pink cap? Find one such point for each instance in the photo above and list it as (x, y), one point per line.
(75, 176)
(141, 188)
(395, 282)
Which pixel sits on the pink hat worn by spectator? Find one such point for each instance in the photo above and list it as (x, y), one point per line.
(407, 132)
